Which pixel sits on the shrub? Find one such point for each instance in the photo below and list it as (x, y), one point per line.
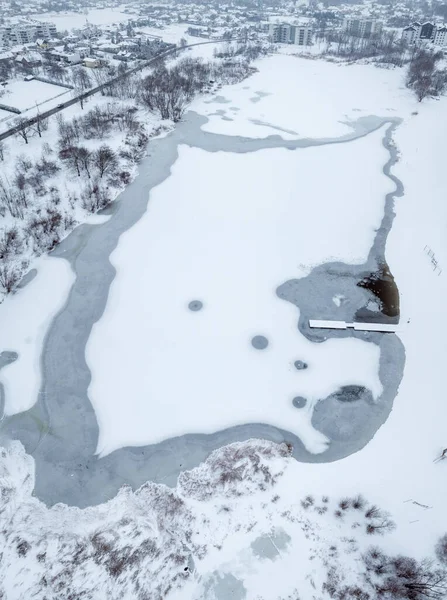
(358, 502)
(307, 502)
(344, 503)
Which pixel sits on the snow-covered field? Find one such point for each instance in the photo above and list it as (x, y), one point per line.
(29, 94)
(227, 229)
(75, 20)
(294, 97)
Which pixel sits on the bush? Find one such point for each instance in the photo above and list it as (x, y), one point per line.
(344, 503)
(10, 276)
(307, 502)
(358, 502)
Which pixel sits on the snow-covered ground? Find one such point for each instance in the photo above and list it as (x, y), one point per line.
(201, 239)
(23, 330)
(294, 97)
(75, 20)
(240, 526)
(29, 94)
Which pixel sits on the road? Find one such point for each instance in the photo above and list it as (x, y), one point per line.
(52, 111)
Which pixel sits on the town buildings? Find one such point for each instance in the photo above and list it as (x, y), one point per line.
(425, 32)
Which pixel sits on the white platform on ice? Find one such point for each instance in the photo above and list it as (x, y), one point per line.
(382, 327)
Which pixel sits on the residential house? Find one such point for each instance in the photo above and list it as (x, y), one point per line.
(91, 63)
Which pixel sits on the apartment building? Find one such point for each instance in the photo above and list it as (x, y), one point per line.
(26, 32)
(410, 34)
(440, 37)
(362, 27)
(45, 30)
(427, 32)
(22, 33)
(286, 33)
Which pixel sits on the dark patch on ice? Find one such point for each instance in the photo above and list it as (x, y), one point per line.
(299, 402)
(218, 100)
(381, 283)
(222, 586)
(7, 357)
(195, 305)
(300, 365)
(259, 96)
(259, 342)
(343, 417)
(270, 544)
(351, 393)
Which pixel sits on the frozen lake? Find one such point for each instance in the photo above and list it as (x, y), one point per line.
(270, 233)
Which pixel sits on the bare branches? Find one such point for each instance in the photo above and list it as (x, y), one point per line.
(9, 277)
(24, 128)
(40, 125)
(105, 160)
(423, 77)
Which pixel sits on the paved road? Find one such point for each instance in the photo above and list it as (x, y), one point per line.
(52, 111)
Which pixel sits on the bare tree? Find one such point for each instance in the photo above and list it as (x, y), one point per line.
(105, 160)
(41, 124)
(10, 243)
(94, 196)
(85, 158)
(101, 77)
(21, 185)
(24, 128)
(9, 276)
(56, 72)
(2, 151)
(69, 133)
(414, 581)
(422, 73)
(9, 199)
(81, 82)
(71, 156)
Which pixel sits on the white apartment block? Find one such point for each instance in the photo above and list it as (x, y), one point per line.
(410, 34)
(362, 27)
(427, 32)
(26, 33)
(21, 34)
(45, 30)
(286, 33)
(440, 38)
(4, 40)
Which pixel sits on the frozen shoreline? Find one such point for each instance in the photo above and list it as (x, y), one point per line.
(61, 430)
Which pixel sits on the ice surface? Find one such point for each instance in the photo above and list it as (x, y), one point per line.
(230, 241)
(24, 320)
(292, 94)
